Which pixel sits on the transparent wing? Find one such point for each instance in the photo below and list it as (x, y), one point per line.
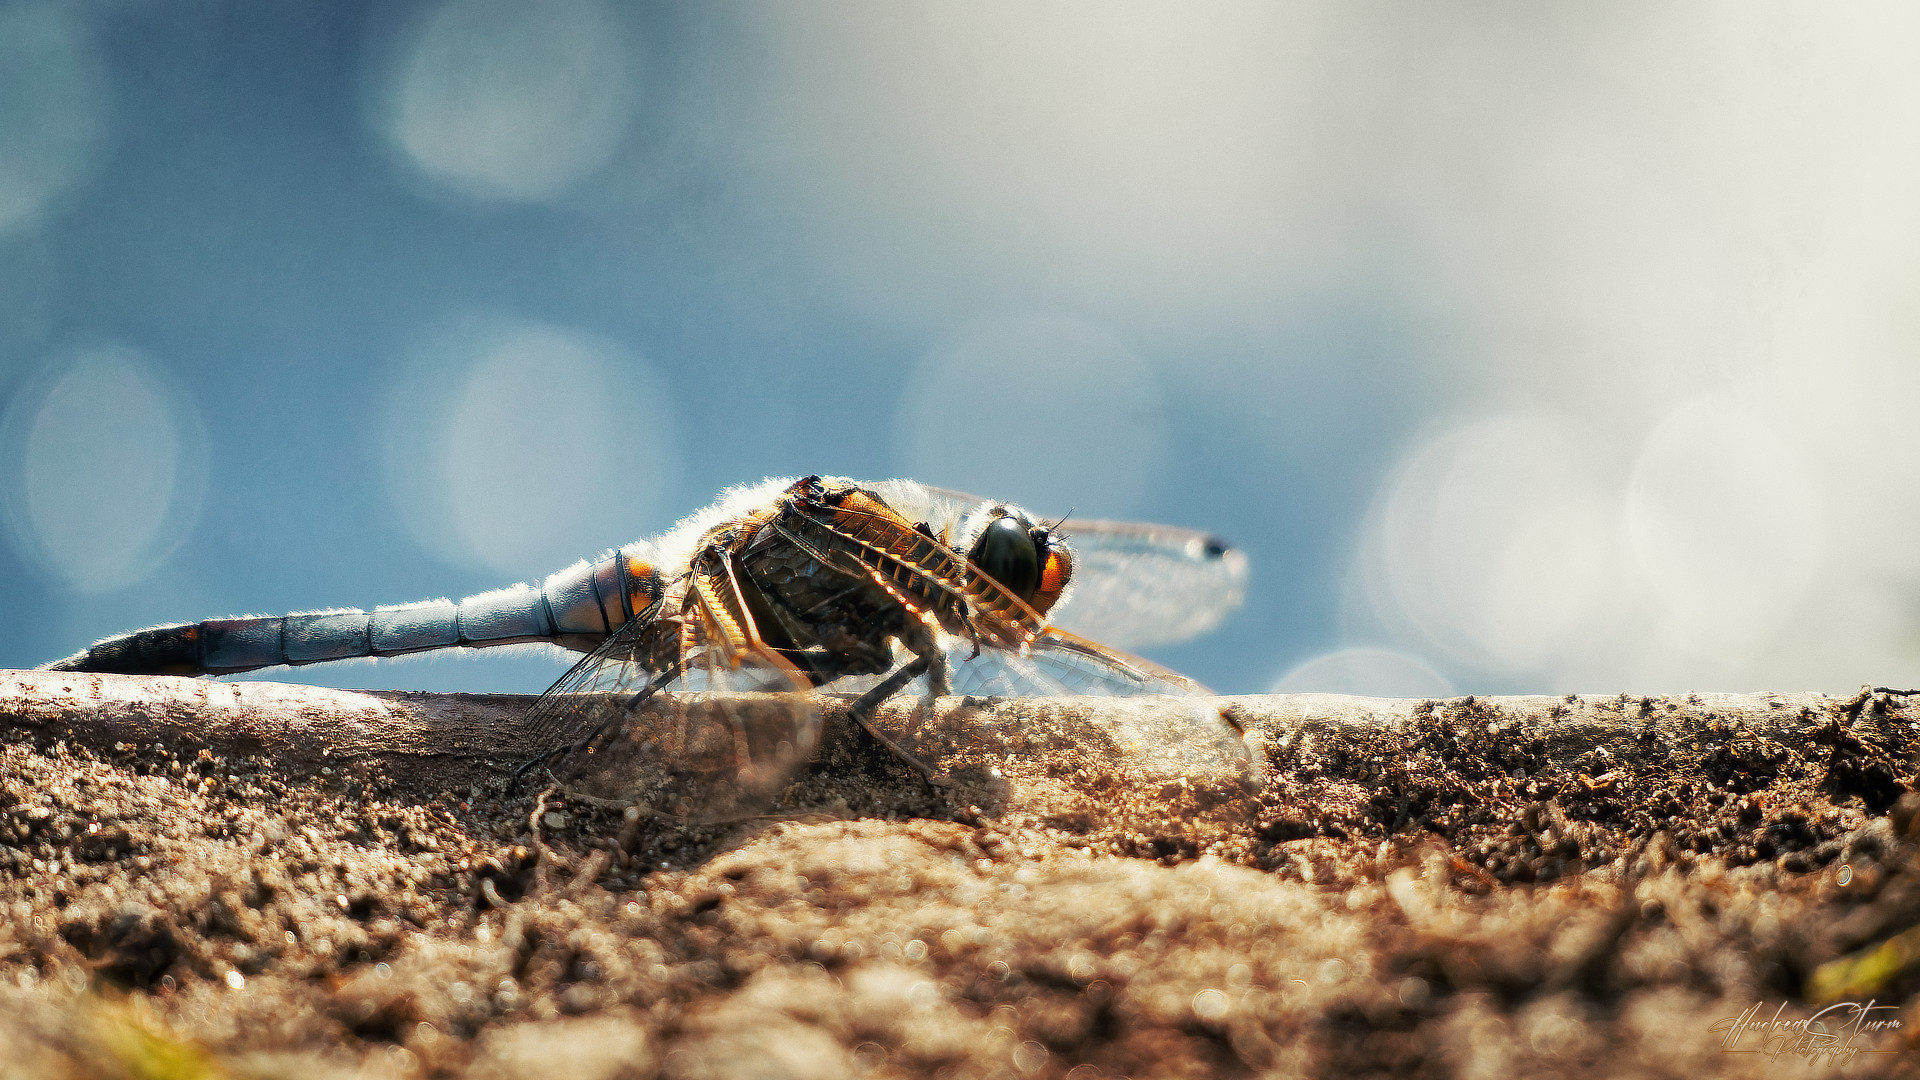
(1134, 586)
(1170, 732)
(1062, 663)
(714, 741)
(1137, 585)
(572, 708)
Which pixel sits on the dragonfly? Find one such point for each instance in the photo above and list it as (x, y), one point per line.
(711, 650)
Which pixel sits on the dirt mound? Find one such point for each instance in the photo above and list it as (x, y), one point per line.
(211, 880)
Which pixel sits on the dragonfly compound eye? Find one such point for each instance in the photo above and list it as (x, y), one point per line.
(1007, 554)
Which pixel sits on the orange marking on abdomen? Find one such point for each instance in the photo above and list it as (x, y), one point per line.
(641, 581)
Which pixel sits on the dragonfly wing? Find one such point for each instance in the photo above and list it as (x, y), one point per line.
(1060, 663)
(580, 701)
(1138, 585)
(1174, 733)
(715, 739)
(1134, 585)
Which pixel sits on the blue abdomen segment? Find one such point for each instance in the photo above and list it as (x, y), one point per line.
(576, 608)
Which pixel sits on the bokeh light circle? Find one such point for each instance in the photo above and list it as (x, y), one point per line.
(107, 468)
(1494, 543)
(1366, 672)
(1050, 412)
(1724, 524)
(521, 446)
(53, 107)
(510, 100)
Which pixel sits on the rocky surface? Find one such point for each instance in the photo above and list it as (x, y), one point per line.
(206, 879)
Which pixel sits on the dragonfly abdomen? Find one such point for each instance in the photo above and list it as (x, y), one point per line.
(576, 608)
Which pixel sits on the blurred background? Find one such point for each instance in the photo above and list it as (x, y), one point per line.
(1521, 347)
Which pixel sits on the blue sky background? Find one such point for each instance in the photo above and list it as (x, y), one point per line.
(1520, 348)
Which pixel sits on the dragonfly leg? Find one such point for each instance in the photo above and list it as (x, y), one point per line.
(861, 712)
(939, 680)
(939, 685)
(532, 763)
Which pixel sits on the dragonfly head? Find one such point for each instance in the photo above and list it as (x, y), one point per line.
(1028, 560)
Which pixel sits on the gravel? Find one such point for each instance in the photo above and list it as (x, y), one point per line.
(205, 879)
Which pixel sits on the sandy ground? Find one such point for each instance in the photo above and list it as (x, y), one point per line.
(203, 879)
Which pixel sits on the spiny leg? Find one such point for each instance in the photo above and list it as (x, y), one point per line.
(939, 679)
(939, 685)
(861, 712)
